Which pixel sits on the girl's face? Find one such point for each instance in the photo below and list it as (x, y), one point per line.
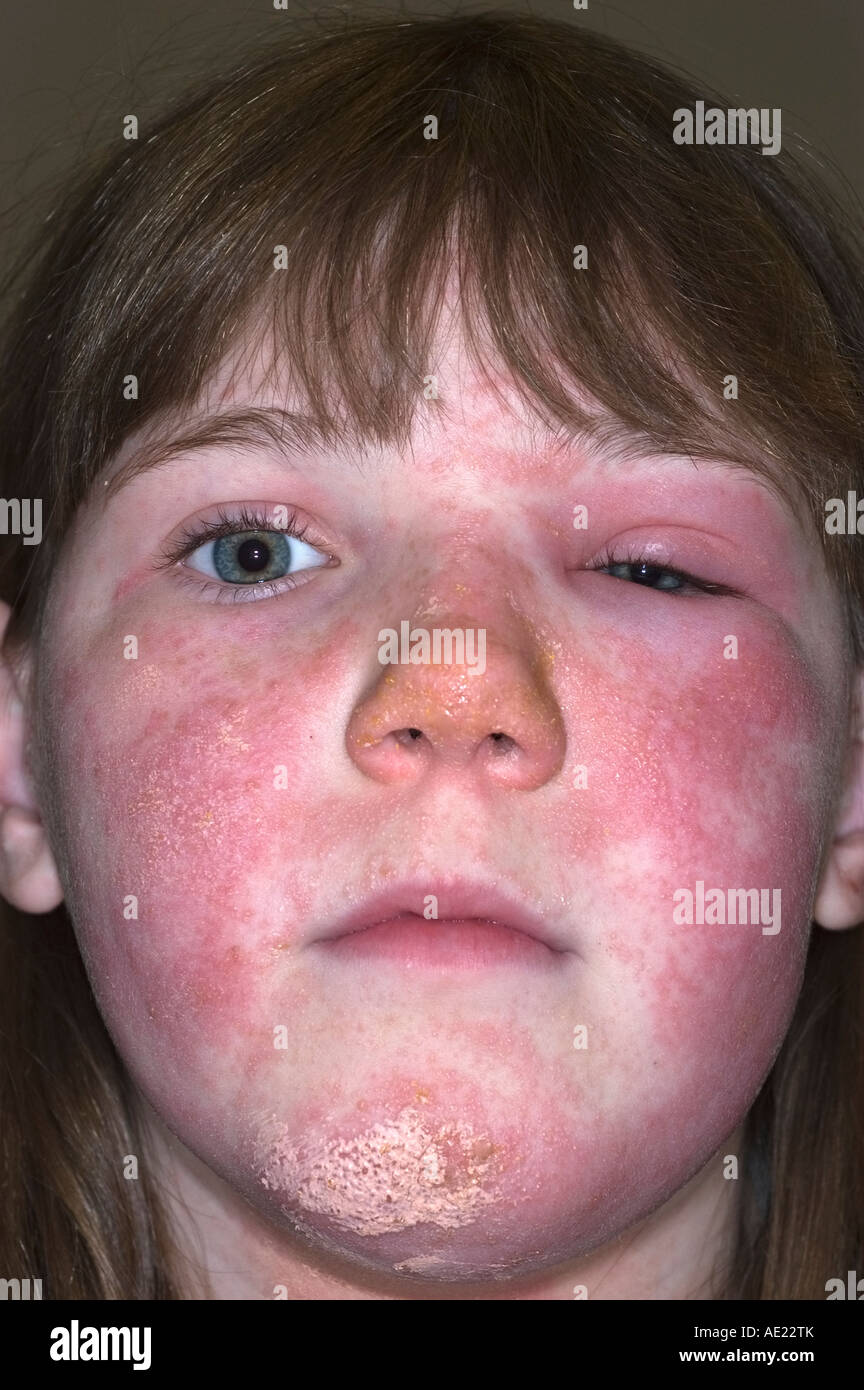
(239, 780)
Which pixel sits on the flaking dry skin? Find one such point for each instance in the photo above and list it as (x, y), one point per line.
(392, 1175)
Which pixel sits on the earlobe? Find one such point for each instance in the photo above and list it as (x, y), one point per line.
(28, 874)
(840, 895)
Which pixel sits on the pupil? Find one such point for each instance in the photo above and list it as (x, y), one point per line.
(253, 555)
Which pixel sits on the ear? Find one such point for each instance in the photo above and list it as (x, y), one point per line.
(840, 895)
(28, 875)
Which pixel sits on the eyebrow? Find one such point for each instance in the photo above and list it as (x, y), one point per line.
(611, 440)
(291, 433)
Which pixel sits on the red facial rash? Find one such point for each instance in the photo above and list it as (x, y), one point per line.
(241, 780)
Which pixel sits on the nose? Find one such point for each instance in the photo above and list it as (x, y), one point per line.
(501, 723)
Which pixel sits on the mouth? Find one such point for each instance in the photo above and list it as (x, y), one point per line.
(438, 926)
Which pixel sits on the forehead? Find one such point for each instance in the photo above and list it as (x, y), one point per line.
(470, 416)
(467, 417)
(455, 394)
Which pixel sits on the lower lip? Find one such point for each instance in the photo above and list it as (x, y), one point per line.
(449, 943)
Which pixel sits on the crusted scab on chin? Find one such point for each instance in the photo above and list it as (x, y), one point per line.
(390, 1176)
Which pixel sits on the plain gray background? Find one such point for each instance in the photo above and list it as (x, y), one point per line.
(70, 71)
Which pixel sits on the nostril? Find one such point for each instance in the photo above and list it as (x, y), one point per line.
(407, 736)
(507, 728)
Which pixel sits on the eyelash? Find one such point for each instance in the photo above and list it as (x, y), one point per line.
(226, 524)
(193, 536)
(634, 557)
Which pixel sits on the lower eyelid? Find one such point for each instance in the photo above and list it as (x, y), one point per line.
(221, 592)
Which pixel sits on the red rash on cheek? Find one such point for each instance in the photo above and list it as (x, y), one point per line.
(191, 800)
(703, 770)
(719, 762)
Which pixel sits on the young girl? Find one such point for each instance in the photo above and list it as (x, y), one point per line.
(367, 968)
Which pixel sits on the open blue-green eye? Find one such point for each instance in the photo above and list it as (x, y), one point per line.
(254, 557)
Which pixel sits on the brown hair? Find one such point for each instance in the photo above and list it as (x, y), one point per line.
(703, 261)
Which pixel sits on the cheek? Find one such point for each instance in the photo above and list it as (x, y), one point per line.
(697, 840)
(199, 841)
(696, 767)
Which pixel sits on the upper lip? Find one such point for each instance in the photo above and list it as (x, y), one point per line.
(462, 899)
